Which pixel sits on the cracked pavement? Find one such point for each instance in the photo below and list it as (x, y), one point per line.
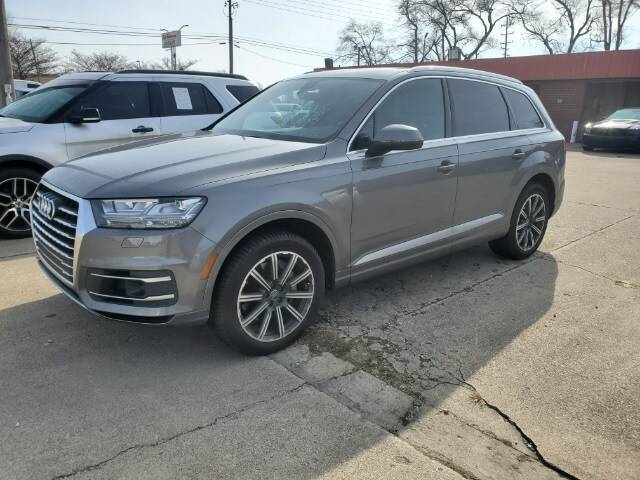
(465, 367)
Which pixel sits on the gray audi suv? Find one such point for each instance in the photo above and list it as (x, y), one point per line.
(320, 180)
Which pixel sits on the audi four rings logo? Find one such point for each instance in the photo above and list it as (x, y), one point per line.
(46, 205)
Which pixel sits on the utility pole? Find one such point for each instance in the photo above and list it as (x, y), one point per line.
(231, 5)
(6, 73)
(506, 42)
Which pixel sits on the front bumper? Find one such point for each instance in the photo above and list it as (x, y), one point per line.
(629, 141)
(161, 280)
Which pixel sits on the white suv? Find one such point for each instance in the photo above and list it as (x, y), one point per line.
(81, 113)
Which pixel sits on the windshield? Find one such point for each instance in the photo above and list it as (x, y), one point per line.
(42, 103)
(307, 110)
(626, 114)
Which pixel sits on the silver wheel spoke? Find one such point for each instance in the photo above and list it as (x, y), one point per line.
(540, 219)
(300, 277)
(536, 229)
(259, 309)
(280, 322)
(265, 324)
(521, 226)
(250, 297)
(274, 266)
(6, 213)
(8, 201)
(287, 273)
(297, 315)
(299, 295)
(260, 279)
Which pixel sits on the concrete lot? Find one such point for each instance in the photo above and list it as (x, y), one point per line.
(466, 367)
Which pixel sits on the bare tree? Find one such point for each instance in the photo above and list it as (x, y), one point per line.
(612, 21)
(165, 64)
(30, 57)
(97, 62)
(565, 30)
(363, 44)
(434, 27)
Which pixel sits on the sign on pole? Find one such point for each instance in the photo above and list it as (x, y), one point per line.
(171, 39)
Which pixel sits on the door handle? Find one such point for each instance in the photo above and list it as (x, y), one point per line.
(142, 129)
(518, 154)
(446, 167)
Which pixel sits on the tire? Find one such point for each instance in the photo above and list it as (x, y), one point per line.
(17, 185)
(513, 245)
(241, 324)
(587, 148)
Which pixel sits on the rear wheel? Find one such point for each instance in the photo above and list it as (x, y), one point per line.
(17, 186)
(528, 224)
(268, 293)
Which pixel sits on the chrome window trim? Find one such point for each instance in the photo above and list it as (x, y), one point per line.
(356, 154)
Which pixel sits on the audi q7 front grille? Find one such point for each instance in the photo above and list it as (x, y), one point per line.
(53, 221)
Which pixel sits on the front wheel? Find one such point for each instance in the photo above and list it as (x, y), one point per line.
(17, 186)
(268, 293)
(528, 224)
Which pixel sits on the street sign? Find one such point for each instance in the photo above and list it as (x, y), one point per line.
(171, 39)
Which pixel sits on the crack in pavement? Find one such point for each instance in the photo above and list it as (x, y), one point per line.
(164, 440)
(592, 233)
(619, 283)
(601, 206)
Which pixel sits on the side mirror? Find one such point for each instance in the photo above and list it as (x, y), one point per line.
(86, 115)
(395, 137)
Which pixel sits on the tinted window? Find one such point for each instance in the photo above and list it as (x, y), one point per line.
(119, 101)
(418, 103)
(477, 108)
(525, 115)
(242, 93)
(188, 99)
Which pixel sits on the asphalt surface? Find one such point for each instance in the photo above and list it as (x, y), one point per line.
(466, 367)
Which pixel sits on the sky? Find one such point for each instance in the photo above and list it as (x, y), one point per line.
(299, 33)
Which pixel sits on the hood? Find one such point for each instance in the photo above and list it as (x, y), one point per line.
(173, 164)
(607, 123)
(13, 125)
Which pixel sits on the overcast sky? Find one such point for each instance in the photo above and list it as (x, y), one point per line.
(310, 25)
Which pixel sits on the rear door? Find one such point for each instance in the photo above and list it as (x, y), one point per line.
(188, 106)
(126, 116)
(492, 150)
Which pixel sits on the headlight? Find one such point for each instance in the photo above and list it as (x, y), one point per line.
(587, 128)
(147, 213)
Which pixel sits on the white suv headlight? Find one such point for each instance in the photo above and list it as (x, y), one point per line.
(147, 212)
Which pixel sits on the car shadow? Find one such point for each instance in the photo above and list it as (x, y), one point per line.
(83, 383)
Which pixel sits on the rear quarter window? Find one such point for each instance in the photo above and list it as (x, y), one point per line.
(242, 93)
(525, 115)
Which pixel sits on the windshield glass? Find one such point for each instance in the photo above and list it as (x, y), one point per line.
(626, 114)
(42, 103)
(307, 110)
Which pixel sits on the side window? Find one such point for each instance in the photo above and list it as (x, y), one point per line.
(119, 101)
(525, 114)
(188, 99)
(418, 103)
(477, 108)
(242, 93)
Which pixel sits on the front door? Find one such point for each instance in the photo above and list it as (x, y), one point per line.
(126, 116)
(404, 199)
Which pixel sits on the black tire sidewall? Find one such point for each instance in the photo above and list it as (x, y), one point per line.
(18, 172)
(224, 312)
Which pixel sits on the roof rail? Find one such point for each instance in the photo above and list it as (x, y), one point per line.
(479, 73)
(186, 72)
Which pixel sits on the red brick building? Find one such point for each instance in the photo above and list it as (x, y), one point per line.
(575, 86)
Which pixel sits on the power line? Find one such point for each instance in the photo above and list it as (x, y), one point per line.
(262, 43)
(275, 59)
(298, 10)
(330, 8)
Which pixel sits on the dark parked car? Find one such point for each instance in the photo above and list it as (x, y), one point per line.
(620, 130)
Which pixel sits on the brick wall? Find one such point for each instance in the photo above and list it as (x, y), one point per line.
(564, 100)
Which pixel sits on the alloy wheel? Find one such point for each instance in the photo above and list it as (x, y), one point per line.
(15, 204)
(531, 221)
(275, 296)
